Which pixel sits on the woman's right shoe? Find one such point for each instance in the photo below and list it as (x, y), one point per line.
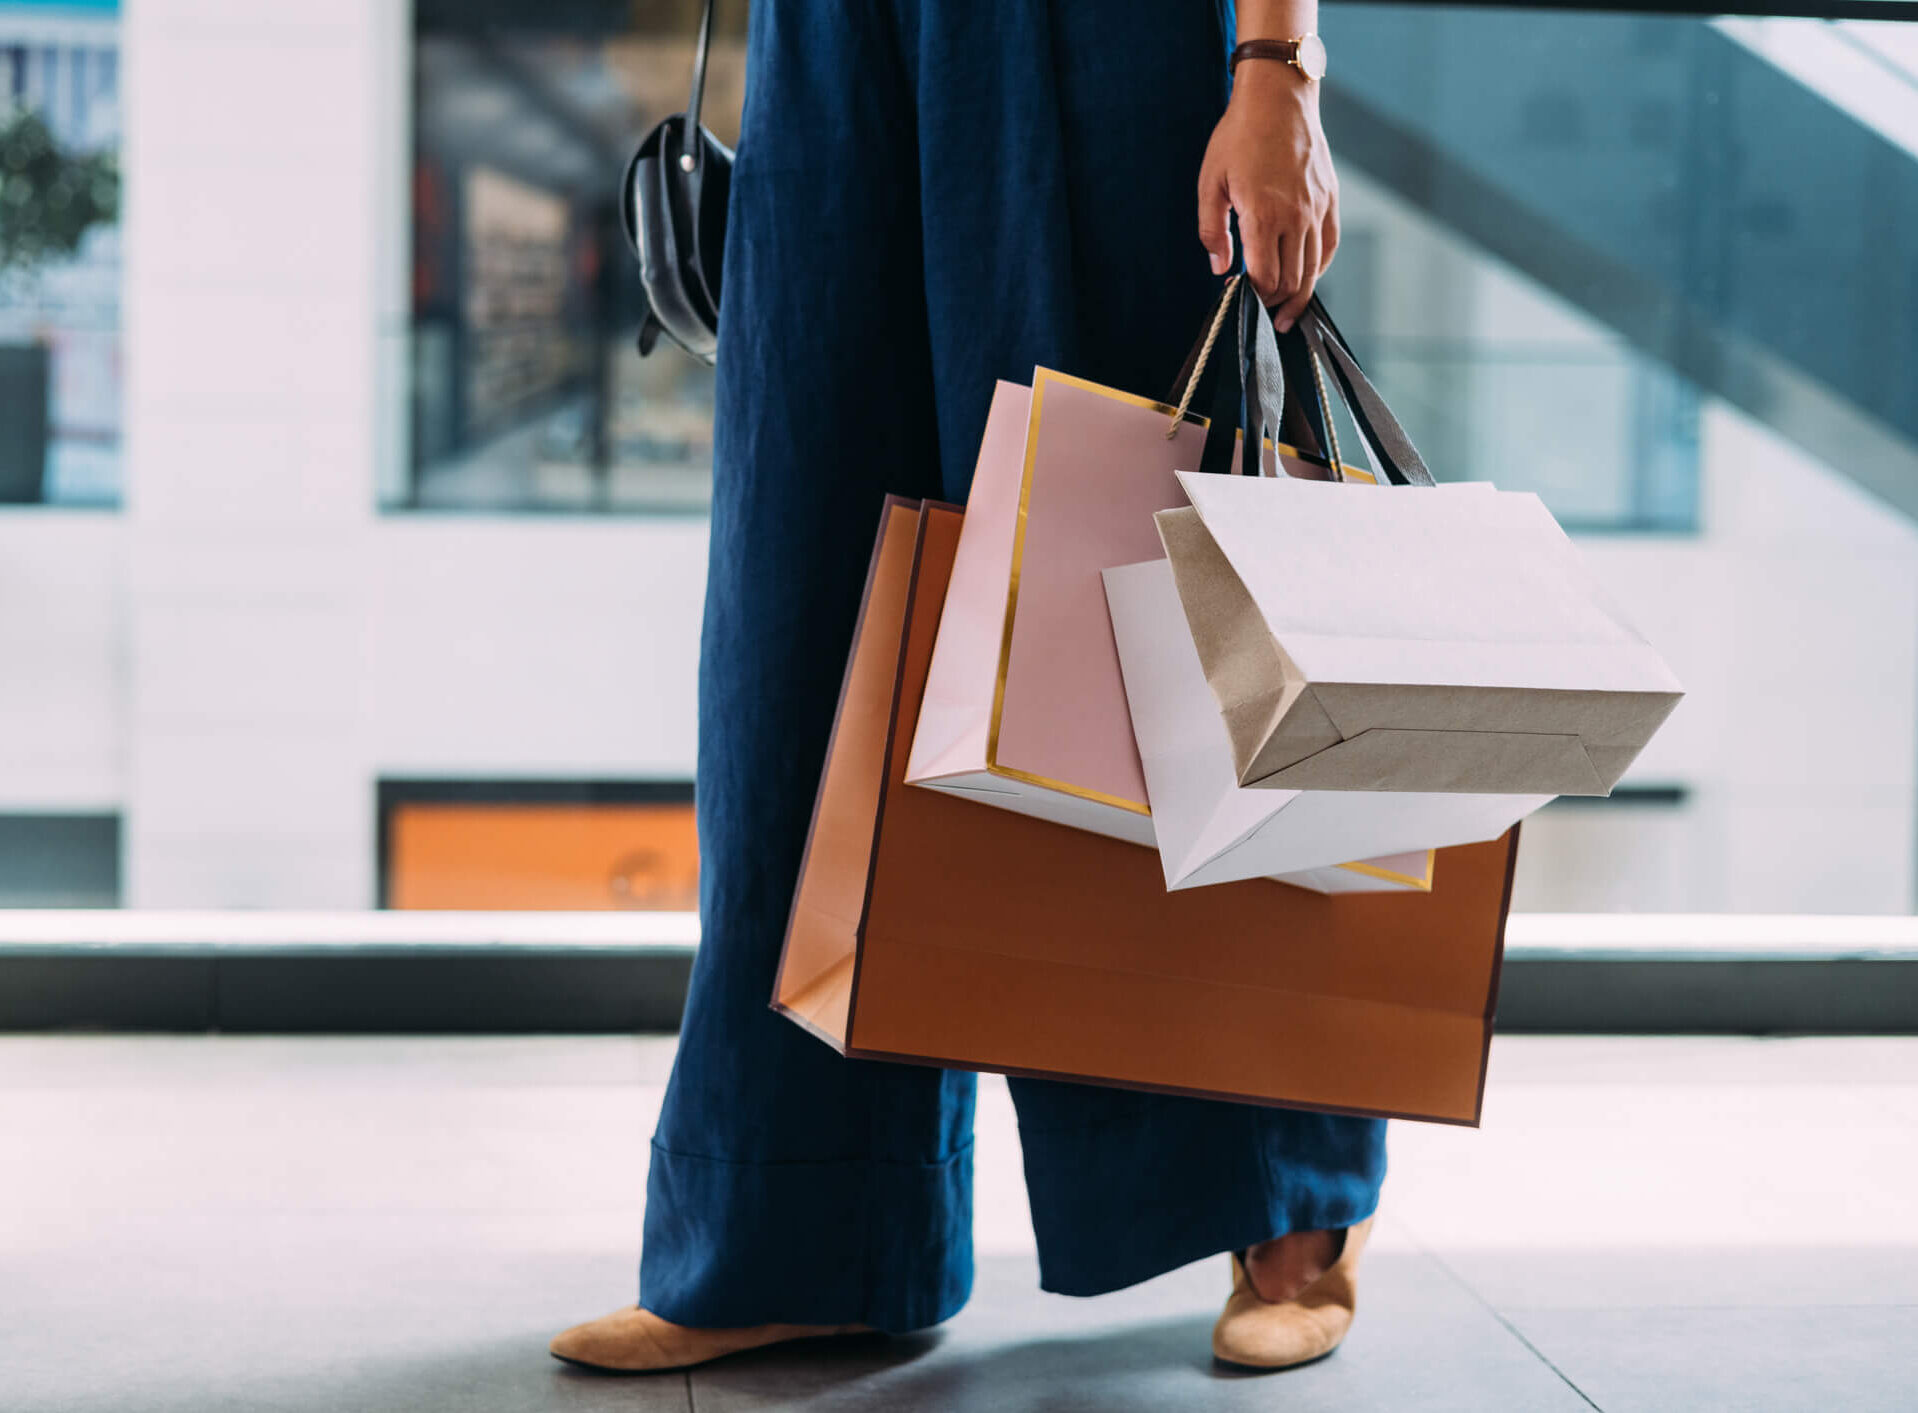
(636, 1341)
(1253, 1333)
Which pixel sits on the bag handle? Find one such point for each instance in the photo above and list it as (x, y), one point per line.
(1314, 344)
(1398, 460)
(1193, 369)
(691, 150)
(1255, 398)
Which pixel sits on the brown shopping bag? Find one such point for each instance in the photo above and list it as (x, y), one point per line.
(932, 929)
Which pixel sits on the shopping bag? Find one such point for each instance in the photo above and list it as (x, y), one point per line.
(1208, 828)
(929, 929)
(1411, 641)
(1025, 708)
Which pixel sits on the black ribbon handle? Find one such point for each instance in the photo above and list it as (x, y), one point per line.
(1252, 395)
(1397, 460)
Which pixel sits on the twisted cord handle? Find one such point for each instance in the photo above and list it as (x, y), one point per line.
(1205, 352)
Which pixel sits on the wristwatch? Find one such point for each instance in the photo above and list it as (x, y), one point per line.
(1306, 54)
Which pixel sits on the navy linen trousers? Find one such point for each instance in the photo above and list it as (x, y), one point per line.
(930, 195)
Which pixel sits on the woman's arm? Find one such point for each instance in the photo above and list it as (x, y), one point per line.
(1268, 161)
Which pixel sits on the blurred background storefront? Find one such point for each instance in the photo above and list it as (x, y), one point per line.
(350, 558)
(60, 272)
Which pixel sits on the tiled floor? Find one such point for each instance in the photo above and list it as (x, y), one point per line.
(199, 1225)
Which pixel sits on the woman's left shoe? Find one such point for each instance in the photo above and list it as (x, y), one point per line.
(634, 1340)
(1260, 1334)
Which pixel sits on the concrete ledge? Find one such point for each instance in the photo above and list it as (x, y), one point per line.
(1528, 936)
(1709, 937)
(158, 933)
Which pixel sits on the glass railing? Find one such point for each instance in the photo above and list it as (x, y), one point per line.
(1725, 217)
(1867, 68)
(1503, 379)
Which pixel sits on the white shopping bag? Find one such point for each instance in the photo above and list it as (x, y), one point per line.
(1209, 829)
(1408, 639)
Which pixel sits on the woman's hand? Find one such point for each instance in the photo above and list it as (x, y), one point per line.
(1268, 161)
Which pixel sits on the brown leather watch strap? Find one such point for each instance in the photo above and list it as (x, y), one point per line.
(1286, 51)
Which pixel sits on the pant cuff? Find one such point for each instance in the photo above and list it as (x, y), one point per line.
(856, 1241)
(1125, 1202)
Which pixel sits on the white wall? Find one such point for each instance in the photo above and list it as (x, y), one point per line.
(284, 645)
(62, 661)
(250, 229)
(261, 710)
(1793, 623)
(535, 647)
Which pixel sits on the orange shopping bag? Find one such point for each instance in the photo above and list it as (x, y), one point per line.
(928, 928)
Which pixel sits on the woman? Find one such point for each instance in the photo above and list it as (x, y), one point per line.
(931, 195)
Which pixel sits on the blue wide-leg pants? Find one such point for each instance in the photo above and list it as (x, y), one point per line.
(929, 195)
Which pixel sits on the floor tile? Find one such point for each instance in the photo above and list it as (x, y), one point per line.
(1421, 1342)
(169, 1063)
(369, 1223)
(1001, 1215)
(1900, 1101)
(1736, 1061)
(1661, 1163)
(311, 1313)
(1859, 1359)
(431, 1144)
(1761, 1276)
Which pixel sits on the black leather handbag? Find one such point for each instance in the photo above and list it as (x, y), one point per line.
(673, 205)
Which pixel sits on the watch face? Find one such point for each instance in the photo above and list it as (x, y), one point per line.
(1312, 57)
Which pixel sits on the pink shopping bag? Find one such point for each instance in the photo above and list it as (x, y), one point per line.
(1025, 706)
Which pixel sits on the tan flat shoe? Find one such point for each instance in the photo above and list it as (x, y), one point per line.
(636, 1341)
(1258, 1334)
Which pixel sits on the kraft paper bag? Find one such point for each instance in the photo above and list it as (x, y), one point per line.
(927, 928)
(1210, 829)
(1408, 640)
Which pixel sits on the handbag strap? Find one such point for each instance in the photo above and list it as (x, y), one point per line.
(692, 150)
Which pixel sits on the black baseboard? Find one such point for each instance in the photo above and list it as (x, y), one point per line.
(104, 992)
(1719, 996)
(570, 992)
(404, 993)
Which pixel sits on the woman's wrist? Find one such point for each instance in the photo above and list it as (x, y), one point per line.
(1268, 82)
(1268, 164)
